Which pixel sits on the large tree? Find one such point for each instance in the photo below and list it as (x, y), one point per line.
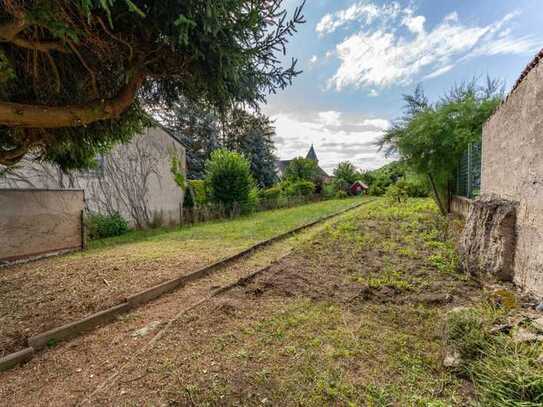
(75, 74)
(252, 135)
(431, 138)
(197, 126)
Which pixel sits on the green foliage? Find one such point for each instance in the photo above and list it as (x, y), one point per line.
(272, 193)
(328, 190)
(396, 193)
(229, 179)
(504, 373)
(218, 53)
(345, 175)
(432, 138)
(299, 188)
(176, 167)
(199, 190)
(253, 201)
(101, 226)
(301, 169)
(341, 195)
(252, 135)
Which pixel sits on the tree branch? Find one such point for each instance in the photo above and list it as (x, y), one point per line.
(9, 33)
(48, 117)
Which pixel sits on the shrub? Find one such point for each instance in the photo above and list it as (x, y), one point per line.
(341, 195)
(228, 179)
(271, 194)
(252, 201)
(101, 226)
(328, 191)
(376, 190)
(199, 191)
(396, 193)
(300, 188)
(301, 169)
(342, 185)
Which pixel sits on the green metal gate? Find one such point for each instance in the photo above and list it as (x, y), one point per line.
(468, 177)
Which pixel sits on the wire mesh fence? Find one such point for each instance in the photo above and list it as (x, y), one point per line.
(468, 177)
(209, 212)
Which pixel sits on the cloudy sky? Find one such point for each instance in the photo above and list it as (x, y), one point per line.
(359, 57)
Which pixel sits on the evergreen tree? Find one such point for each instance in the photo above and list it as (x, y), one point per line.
(197, 127)
(76, 75)
(252, 135)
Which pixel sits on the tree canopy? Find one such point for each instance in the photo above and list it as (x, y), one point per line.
(76, 75)
(251, 134)
(430, 139)
(301, 169)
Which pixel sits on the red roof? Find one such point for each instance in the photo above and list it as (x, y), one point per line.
(364, 186)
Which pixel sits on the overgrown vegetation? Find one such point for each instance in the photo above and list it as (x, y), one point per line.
(431, 138)
(101, 226)
(504, 373)
(348, 319)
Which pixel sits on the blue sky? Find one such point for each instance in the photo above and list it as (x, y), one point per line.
(360, 56)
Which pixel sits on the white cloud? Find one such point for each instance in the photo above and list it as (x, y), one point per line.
(373, 93)
(414, 24)
(381, 124)
(383, 54)
(313, 59)
(362, 11)
(330, 118)
(335, 136)
(439, 72)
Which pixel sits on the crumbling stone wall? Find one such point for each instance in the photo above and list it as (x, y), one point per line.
(512, 168)
(487, 247)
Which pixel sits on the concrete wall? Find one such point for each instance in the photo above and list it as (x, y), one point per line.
(37, 222)
(135, 179)
(512, 168)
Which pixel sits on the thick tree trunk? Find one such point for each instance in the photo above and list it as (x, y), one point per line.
(47, 117)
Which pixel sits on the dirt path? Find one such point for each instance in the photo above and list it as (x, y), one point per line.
(45, 294)
(351, 314)
(75, 368)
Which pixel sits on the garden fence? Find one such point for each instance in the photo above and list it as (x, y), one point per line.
(468, 177)
(209, 212)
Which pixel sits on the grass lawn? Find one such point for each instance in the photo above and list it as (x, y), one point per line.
(353, 314)
(44, 294)
(354, 317)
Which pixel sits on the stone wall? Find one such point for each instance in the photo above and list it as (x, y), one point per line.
(39, 222)
(135, 179)
(512, 168)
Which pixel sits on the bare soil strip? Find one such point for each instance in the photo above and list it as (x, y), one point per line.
(94, 356)
(42, 296)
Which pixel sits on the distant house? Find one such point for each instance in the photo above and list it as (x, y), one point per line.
(135, 179)
(281, 165)
(358, 188)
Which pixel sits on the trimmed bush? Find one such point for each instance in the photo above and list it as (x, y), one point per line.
(229, 180)
(299, 188)
(101, 226)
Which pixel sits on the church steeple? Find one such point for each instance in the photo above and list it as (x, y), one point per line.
(311, 155)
